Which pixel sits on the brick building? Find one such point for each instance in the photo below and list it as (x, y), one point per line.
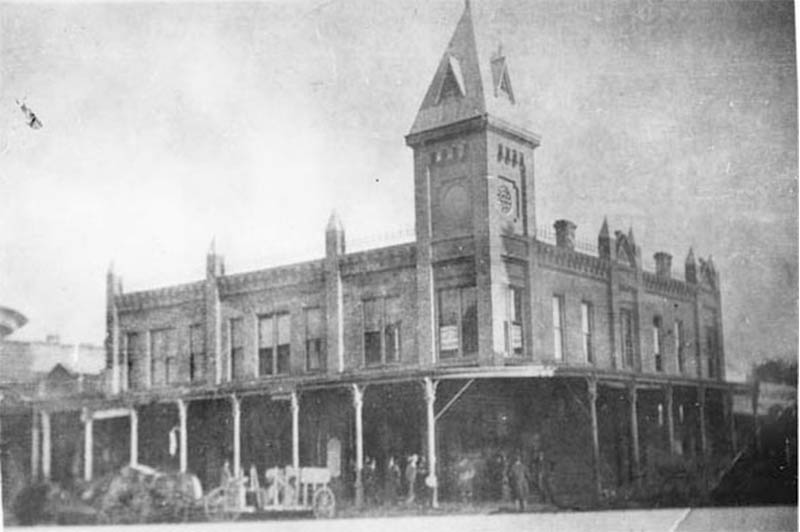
(478, 341)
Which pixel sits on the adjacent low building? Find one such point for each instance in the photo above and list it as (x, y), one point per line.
(34, 372)
(478, 342)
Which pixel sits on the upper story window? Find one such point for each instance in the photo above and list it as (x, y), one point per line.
(458, 322)
(316, 356)
(382, 326)
(657, 356)
(197, 353)
(133, 366)
(163, 360)
(236, 365)
(558, 327)
(627, 338)
(587, 331)
(513, 329)
(274, 344)
(679, 345)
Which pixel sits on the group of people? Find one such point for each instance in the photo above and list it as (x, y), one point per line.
(503, 476)
(404, 480)
(522, 476)
(399, 480)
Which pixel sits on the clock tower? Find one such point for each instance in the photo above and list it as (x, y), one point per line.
(474, 206)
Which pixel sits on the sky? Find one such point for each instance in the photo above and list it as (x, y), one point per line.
(167, 125)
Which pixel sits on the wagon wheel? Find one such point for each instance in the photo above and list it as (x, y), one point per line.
(217, 506)
(324, 504)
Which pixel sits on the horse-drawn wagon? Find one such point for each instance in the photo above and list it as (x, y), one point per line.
(306, 489)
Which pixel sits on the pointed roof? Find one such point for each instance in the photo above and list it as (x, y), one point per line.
(467, 84)
(334, 223)
(690, 256)
(604, 229)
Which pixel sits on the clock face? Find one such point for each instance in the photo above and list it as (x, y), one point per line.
(505, 199)
(456, 204)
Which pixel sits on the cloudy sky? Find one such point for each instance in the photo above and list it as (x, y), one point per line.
(167, 125)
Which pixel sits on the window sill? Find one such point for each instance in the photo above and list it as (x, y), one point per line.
(387, 365)
(517, 360)
(458, 361)
(267, 377)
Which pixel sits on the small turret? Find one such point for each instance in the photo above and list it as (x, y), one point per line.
(215, 264)
(334, 236)
(631, 238)
(113, 282)
(708, 273)
(604, 241)
(690, 268)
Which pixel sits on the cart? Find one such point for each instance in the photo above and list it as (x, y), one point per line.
(286, 490)
(140, 494)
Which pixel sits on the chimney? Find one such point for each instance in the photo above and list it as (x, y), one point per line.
(663, 264)
(690, 268)
(565, 234)
(604, 242)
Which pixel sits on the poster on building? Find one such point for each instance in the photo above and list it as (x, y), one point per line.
(448, 338)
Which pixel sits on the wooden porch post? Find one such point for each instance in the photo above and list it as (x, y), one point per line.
(134, 436)
(295, 432)
(47, 449)
(358, 404)
(701, 400)
(592, 389)
(236, 405)
(731, 421)
(430, 401)
(183, 449)
(756, 428)
(670, 418)
(35, 446)
(88, 444)
(635, 435)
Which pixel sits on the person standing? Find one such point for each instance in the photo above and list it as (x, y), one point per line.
(393, 481)
(411, 477)
(519, 483)
(370, 481)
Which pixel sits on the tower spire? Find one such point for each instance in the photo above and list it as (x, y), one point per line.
(466, 83)
(604, 241)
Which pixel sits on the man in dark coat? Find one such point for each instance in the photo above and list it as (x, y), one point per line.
(519, 483)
